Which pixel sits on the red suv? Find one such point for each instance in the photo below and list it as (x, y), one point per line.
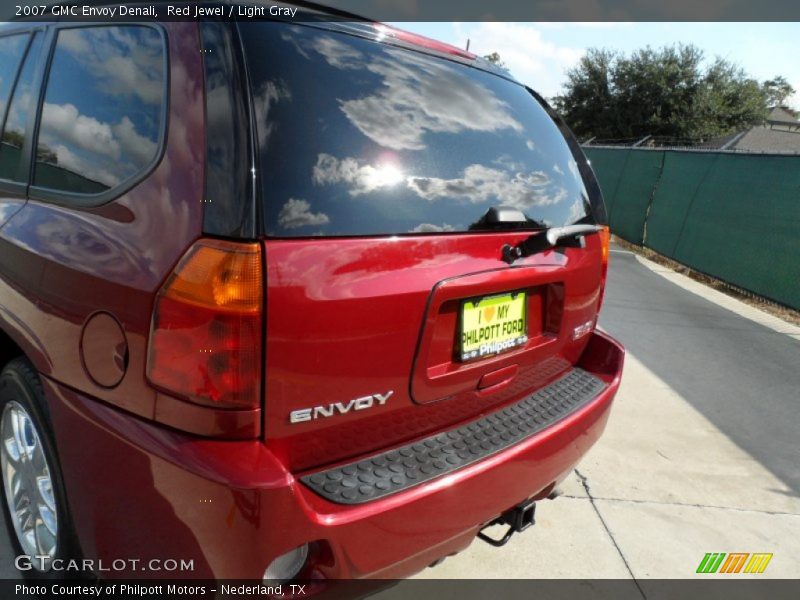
(309, 298)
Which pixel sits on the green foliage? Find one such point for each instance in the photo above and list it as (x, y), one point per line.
(661, 92)
(495, 59)
(13, 138)
(777, 89)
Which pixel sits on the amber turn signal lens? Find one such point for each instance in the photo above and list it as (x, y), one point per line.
(605, 242)
(221, 275)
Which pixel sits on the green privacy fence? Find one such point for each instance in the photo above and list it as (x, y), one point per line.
(733, 216)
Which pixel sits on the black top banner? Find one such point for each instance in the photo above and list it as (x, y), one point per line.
(412, 10)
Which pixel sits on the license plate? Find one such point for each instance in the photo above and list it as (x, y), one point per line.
(493, 324)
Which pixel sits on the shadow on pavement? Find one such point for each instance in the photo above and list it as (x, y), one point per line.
(743, 377)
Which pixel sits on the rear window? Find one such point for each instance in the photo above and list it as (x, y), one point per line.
(361, 138)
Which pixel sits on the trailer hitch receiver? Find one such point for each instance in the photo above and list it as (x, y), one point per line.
(518, 520)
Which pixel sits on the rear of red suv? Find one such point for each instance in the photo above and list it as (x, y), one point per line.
(381, 338)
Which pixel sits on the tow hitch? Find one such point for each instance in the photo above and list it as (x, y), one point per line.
(518, 520)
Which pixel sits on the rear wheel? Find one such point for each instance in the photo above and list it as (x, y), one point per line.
(37, 510)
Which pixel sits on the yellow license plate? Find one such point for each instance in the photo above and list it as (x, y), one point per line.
(493, 324)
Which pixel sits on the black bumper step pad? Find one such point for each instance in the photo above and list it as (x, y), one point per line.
(410, 465)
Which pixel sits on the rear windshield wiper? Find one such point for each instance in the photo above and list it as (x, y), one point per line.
(570, 236)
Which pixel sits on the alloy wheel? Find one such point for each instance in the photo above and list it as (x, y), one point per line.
(28, 484)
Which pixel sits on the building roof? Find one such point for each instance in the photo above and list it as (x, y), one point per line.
(780, 133)
(782, 114)
(766, 139)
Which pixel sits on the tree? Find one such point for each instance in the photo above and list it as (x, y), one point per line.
(588, 104)
(728, 101)
(495, 59)
(13, 138)
(661, 92)
(777, 90)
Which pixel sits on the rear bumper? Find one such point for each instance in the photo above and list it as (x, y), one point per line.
(139, 491)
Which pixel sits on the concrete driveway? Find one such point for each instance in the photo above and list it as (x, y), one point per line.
(700, 454)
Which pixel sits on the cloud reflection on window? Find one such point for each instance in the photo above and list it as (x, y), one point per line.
(416, 96)
(102, 111)
(297, 213)
(477, 183)
(379, 139)
(480, 183)
(361, 178)
(431, 228)
(268, 94)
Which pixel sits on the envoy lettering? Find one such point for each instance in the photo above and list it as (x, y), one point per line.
(339, 408)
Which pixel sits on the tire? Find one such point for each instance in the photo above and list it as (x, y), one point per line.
(27, 456)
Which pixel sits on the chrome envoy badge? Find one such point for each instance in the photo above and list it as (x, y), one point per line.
(339, 408)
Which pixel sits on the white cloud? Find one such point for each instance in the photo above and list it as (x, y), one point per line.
(361, 178)
(94, 149)
(269, 94)
(17, 112)
(64, 122)
(417, 95)
(337, 53)
(431, 228)
(575, 170)
(531, 58)
(480, 183)
(297, 213)
(125, 63)
(477, 183)
(133, 145)
(508, 163)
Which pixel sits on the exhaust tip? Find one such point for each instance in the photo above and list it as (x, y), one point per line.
(555, 493)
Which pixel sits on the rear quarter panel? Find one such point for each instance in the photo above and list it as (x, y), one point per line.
(59, 265)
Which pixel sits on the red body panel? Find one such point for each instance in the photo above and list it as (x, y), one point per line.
(61, 265)
(344, 319)
(216, 502)
(350, 318)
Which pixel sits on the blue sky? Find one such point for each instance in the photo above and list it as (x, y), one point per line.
(539, 54)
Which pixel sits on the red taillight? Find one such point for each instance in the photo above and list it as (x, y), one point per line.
(605, 248)
(205, 336)
(421, 40)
